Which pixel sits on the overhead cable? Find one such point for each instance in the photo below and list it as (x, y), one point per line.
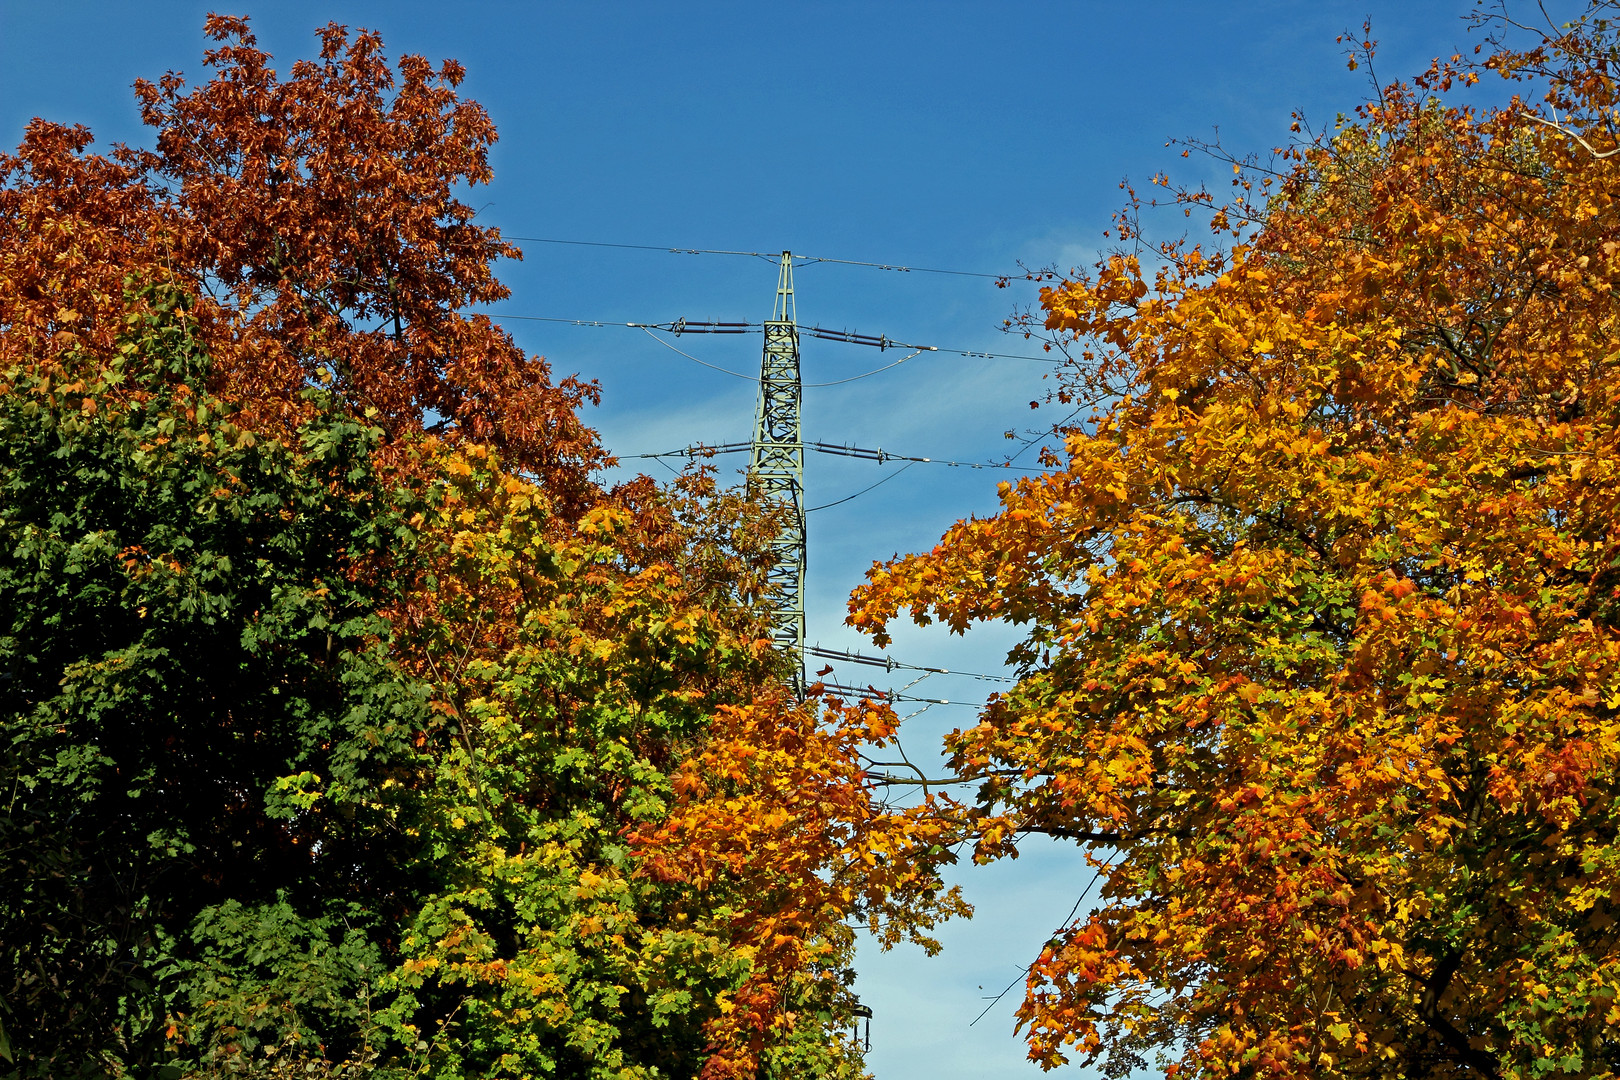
(863, 491)
(889, 663)
(861, 452)
(883, 455)
(872, 693)
(864, 374)
(696, 450)
(638, 247)
(798, 260)
(850, 337)
(695, 360)
(755, 379)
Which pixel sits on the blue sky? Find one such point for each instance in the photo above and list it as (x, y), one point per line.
(948, 135)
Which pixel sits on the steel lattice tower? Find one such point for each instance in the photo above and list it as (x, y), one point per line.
(776, 467)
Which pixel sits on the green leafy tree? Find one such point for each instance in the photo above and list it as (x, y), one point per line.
(187, 633)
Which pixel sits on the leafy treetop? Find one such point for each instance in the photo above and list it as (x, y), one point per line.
(1323, 653)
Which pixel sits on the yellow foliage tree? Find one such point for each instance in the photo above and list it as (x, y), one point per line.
(1324, 607)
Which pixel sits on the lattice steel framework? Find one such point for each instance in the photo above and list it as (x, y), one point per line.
(776, 466)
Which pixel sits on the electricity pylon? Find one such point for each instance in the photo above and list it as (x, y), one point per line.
(776, 468)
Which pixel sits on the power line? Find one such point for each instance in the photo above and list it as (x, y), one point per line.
(884, 455)
(696, 450)
(798, 260)
(918, 269)
(569, 322)
(889, 663)
(695, 360)
(872, 693)
(750, 378)
(861, 452)
(882, 342)
(850, 337)
(879, 455)
(863, 491)
(639, 247)
(865, 374)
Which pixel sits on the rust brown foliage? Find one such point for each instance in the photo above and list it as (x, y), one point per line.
(317, 219)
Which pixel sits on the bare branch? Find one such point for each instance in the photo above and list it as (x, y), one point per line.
(1562, 130)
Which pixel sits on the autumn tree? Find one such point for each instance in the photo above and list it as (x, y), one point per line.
(352, 727)
(316, 221)
(1321, 661)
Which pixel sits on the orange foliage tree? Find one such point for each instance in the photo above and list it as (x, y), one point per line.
(776, 840)
(1323, 606)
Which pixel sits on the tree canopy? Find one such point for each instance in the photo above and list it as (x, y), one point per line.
(351, 727)
(1320, 667)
